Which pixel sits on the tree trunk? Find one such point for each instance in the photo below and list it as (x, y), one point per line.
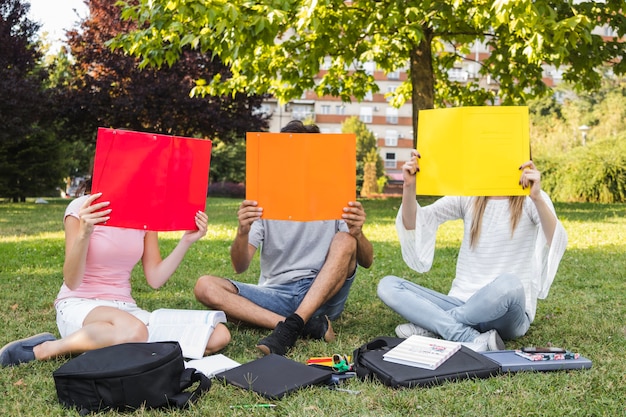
(422, 79)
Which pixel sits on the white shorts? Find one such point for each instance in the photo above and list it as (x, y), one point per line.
(71, 312)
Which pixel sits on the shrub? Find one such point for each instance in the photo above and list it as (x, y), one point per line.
(593, 173)
(227, 189)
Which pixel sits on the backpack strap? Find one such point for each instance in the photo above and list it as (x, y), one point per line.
(362, 371)
(187, 379)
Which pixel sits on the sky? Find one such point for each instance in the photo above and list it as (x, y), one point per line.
(56, 16)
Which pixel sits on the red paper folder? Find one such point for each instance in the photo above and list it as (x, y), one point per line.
(154, 182)
(301, 176)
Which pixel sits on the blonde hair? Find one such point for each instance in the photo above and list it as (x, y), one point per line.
(516, 204)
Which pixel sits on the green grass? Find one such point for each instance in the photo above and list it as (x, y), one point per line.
(585, 312)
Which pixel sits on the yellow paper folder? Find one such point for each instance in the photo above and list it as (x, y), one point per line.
(472, 151)
(301, 176)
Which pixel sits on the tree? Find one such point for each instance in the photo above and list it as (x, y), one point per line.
(370, 183)
(31, 159)
(280, 47)
(108, 89)
(555, 127)
(365, 148)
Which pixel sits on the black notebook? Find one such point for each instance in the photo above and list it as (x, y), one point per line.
(273, 376)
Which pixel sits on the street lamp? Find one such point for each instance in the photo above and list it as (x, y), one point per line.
(583, 130)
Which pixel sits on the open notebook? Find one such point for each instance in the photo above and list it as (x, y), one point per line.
(273, 376)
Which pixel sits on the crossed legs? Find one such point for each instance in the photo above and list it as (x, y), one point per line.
(221, 294)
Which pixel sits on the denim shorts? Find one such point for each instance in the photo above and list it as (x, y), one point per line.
(71, 312)
(284, 299)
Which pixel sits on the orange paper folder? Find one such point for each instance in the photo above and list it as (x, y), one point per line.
(473, 151)
(301, 176)
(154, 182)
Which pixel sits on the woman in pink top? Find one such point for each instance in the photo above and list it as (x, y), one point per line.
(95, 308)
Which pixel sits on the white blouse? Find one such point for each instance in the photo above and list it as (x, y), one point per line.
(526, 253)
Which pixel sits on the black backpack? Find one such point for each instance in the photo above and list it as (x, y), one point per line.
(127, 376)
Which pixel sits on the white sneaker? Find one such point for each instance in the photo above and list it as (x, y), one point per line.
(490, 340)
(409, 329)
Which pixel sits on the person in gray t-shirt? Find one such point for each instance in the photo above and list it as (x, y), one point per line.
(307, 269)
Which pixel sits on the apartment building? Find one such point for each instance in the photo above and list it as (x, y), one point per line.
(393, 127)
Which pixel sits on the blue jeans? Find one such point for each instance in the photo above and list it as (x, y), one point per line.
(284, 299)
(498, 305)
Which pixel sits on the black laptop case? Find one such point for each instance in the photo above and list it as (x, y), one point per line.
(273, 376)
(465, 363)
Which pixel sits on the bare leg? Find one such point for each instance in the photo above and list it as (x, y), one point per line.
(218, 340)
(220, 294)
(103, 326)
(340, 262)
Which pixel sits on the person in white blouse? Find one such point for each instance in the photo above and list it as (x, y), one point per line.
(508, 259)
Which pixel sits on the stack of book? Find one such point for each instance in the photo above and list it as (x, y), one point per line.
(422, 352)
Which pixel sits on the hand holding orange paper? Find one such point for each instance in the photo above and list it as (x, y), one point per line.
(154, 182)
(472, 151)
(301, 176)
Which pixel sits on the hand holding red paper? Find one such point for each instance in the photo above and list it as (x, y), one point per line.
(92, 214)
(192, 236)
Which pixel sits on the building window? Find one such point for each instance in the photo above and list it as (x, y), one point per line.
(393, 75)
(302, 112)
(369, 67)
(366, 115)
(264, 110)
(368, 96)
(390, 160)
(325, 109)
(391, 138)
(340, 109)
(392, 116)
(458, 74)
(389, 91)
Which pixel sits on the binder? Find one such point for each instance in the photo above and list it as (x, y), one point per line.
(154, 182)
(472, 151)
(301, 176)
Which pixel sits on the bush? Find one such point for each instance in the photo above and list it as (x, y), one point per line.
(227, 189)
(592, 173)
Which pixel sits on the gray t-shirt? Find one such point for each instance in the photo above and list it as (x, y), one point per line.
(290, 250)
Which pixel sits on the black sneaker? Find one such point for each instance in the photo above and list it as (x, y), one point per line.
(319, 327)
(280, 341)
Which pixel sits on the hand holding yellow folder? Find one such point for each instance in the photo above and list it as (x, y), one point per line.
(472, 151)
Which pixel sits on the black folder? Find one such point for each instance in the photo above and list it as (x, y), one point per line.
(273, 376)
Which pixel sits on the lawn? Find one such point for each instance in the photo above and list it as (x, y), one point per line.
(585, 312)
